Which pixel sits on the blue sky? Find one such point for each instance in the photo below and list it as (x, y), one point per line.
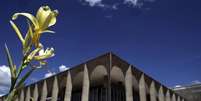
(161, 37)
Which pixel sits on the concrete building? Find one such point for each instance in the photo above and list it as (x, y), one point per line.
(191, 92)
(105, 78)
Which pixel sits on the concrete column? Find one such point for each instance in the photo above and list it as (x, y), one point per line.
(22, 95)
(178, 98)
(142, 89)
(167, 96)
(85, 86)
(68, 90)
(109, 89)
(128, 85)
(161, 94)
(55, 89)
(44, 91)
(2, 98)
(28, 97)
(35, 93)
(153, 92)
(173, 97)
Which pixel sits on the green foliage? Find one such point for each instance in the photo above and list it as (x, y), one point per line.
(11, 66)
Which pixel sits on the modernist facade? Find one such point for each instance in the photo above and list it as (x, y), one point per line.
(105, 78)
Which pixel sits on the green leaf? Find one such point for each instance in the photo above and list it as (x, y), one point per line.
(10, 61)
(11, 66)
(20, 69)
(22, 80)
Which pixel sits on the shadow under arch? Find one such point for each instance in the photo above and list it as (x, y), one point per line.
(137, 77)
(77, 82)
(147, 86)
(117, 84)
(135, 83)
(98, 83)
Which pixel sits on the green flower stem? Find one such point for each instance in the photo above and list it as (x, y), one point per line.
(17, 76)
(21, 82)
(16, 86)
(11, 96)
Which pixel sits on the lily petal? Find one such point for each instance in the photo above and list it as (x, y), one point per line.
(46, 17)
(47, 31)
(53, 19)
(42, 63)
(36, 38)
(42, 14)
(30, 31)
(29, 16)
(50, 20)
(28, 40)
(17, 31)
(41, 52)
(32, 54)
(47, 54)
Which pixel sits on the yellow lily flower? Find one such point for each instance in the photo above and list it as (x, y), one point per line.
(33, 54)
(44, 54)
(45, 18)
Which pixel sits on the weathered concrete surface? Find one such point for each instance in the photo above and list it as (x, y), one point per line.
(190, 92)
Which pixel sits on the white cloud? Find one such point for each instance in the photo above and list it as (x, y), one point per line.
(63, 68)
(133, 2)
(114, 7)
(100, 3)
(94, 2)
(49, 74)
(137, 3)
(5, 80)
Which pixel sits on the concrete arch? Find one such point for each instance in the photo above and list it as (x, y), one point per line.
(78, 80)
(117, 75)
(98, 75)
